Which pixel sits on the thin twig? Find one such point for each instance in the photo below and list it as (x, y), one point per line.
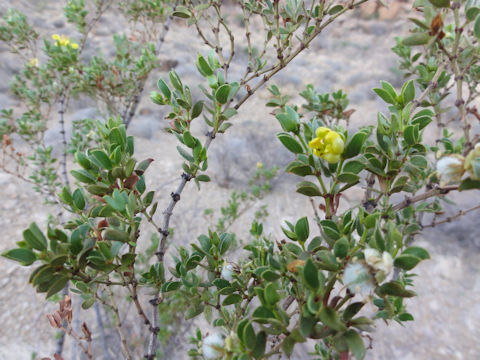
(426, 195)
(453, 217)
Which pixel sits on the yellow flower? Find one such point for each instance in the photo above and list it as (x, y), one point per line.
(33, 62)
(64, 41)
(328, 144)
(259, 165)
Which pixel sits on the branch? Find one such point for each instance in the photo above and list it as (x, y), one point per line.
(428, 194)
(131, 108)
(453, 217)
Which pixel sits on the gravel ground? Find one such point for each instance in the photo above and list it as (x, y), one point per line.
(353, 56)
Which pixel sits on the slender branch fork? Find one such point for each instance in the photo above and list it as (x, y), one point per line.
(175, 196)
(132, 106)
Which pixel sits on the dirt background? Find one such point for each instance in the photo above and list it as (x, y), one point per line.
(354, 55)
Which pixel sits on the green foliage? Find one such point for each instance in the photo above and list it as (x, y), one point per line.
(269, 295)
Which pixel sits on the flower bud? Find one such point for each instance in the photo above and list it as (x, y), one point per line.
(358, 279)
(212, 346)
(450, 169)
(379, 262)
(227, 271)
(472, 163)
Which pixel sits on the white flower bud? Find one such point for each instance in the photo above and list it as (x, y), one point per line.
(450, 169)
(227, 271)
(358, 279)
(212, 345)
(380, 262)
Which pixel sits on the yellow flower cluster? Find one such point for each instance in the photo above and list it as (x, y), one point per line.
(64, 41)
(328, 144)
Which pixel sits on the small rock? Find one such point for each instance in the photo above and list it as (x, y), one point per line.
(59, 23)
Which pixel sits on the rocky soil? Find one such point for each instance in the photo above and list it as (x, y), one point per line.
(353, 56)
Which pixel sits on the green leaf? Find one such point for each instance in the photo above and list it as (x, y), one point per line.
(417, 251)
(232, 299)
(56, 286)
(225, 241)
(78, 199)
(260, 344)
(221, 95)
(287, 122)
(394, 288)
(419, 161)
(335, 9)
(290, 143)
(306, 325)
(348, 178)
(102, 159)
(88, 303)
(302, 229)
(416, 39)
(406, 262)
(408, 91)
(171, 286)
(143, 166)
(83, 176)
(23, 256)
(353, 166)
(185, 154)
(197, 109)
(476, 27)
(329, 317)
(203, 177)
(288, 344)
(352, 310)
(34, 237)
(308, 188)
(248, 336)
(310, 274)
(162, 85)
(469, 184)
(405, 317)
(263, 313)
(271, 296)
(472, 9)
(341, 247)
(270, 275)
(193, 311)
(204, 66)
(82, 160)
(385, 95)
(116, 235)
(355, 344)
(354, 146)
(440, 3)
(182, 12)
(410, 134)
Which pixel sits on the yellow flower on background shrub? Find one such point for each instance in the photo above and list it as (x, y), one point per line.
(328, 144)
(33, 62)
(64, 41)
